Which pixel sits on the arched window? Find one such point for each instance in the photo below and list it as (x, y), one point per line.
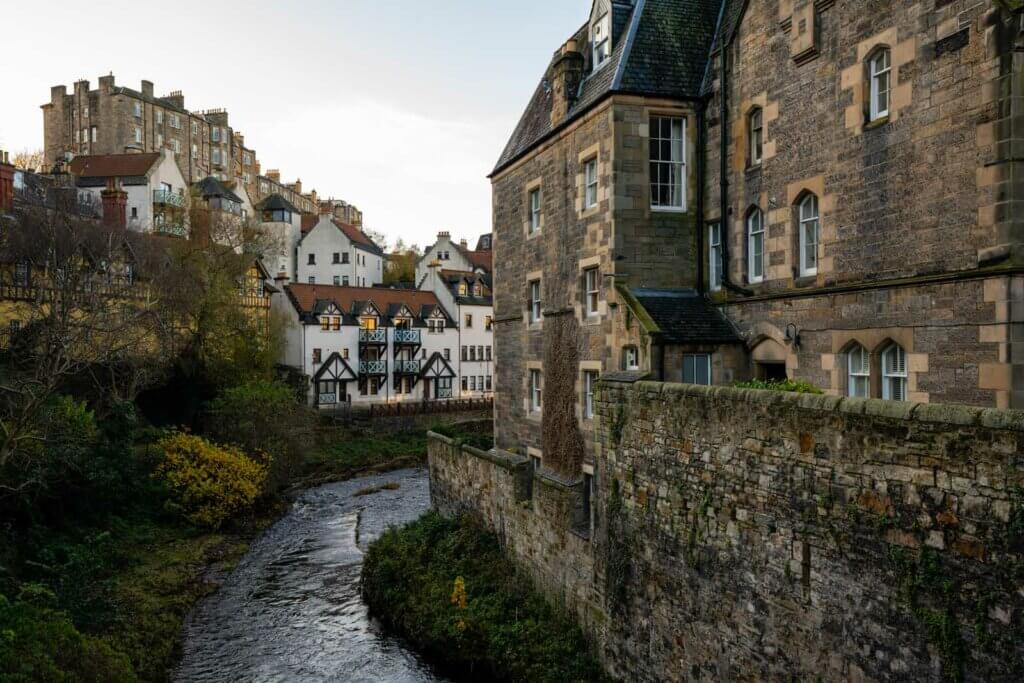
(755, 246)
(880, 76)
(858, 382)
(894, 373)
(809, 235)
(755, 131)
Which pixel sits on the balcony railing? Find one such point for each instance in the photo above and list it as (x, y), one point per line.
(171, 228)
(168, 198)
(444, 392)
(373, 336)
(407, 336)
(407, 367)
(373, 367)
(327, 399)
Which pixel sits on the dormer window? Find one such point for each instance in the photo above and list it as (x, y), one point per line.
(602, 41)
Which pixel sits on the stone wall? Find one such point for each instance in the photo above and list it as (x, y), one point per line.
(740, 534)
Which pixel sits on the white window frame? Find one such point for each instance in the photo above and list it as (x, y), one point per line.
(715, 257)
(137, 110)
(879, 71)
(536, 391)
(138, 135)
(858, 372)
(534, 211)
(894, 373)
(602, 41)
(589, 380)
(592, 283)
(755, 236)
(536, 313)
(810, 229)
(94, 131)
(755, 124)
(704, 358)
(590, 183)
(673, 169)
(631, 361)
(159, 117)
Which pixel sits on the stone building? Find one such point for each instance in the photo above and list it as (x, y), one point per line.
(870, 243)
(271, 184)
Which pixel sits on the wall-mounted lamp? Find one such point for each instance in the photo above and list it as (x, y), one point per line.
(793, 335)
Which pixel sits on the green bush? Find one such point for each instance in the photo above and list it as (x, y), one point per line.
(795, 386)
(264, 416)
(447, 587)
(39, 643)
(209, 483)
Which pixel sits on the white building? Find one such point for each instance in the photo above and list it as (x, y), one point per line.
(457, 257)
(158, 196)
(363, 345)
(282, 224)
(334, 253)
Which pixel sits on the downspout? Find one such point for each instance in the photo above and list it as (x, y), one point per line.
(701, 149)
(723, 51)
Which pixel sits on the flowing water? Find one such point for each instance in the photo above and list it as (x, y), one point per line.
(291, 610)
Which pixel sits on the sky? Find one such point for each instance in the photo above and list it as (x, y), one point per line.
(400, 107)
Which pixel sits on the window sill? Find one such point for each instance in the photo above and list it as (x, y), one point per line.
(754, 169)
(668, 209)
(803, 281)
(591, 211)
(877, 123)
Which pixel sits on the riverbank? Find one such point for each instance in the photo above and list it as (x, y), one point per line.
(447, 588)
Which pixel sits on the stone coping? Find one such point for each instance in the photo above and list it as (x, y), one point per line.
(937, 413)
(551, 479)
(502, 458)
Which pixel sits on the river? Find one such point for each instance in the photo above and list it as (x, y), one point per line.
(292, 611)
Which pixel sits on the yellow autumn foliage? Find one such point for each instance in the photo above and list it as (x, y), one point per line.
(209, 483)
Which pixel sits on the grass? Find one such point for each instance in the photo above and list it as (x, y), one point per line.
(348, 457)
(447, 587)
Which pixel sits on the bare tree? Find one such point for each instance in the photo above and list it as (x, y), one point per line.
(29, 160)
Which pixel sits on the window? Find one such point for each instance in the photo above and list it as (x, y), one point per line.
(602, 41)
(344, 354)
(859, 367)
(336, 257)
(215, 134)
(316, 355)
(138, 136)
(488, 353)
(480, 352)
(447, 354)
(536, 390)
(344, 280)
(535, 311)
(590, 183)
(592, 280)
(469, 321)
(325, 323)
(175, 122)
(312, 260)
(465, 353)
(490, 383)
(472, 383)
(176, 145)
(631, 358)
(195, 128)
(755, 125)
(462, 289)
(488, 322)
(697, 368)
(880, 73)
(755, 246)
(336, 323)
(135, 212)
(534, 211)
(344, 257)
(247, 159)
(589, 383)
(159, 139)
(21, 274)
(809, 235)
(95, 133)
(195, 151)
(894, 374)
(715, 256)
(337, 280)
(472, 353)
(465, 383)
(312, 279)
(536, 461)
(138, 110)
(668, 163)
(159, 116)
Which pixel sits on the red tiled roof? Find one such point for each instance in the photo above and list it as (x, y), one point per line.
(480, 259)
(305, 296)
(309, 220)
(113, 165)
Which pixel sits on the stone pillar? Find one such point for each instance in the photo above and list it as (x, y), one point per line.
(115, 206)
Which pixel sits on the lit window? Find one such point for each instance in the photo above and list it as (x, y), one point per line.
(590, 183)
(589, 384)
(593, 285)
(715, 256)
(535, 309)
(534, 211)
(880, 71)
(755, 123)
(536, 390)
(894, 374)
(809, 235)
(755, 246)
(697, 368)
(602, 41)
(668, 162)
(859, 368)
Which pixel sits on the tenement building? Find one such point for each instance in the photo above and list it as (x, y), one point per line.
(711, 191)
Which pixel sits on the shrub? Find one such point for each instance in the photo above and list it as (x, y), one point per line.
(39, 643)
(264, 416)
(796, 386)
(209, 483)
(447, 587)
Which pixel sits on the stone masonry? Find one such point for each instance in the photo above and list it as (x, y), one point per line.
(750, 535)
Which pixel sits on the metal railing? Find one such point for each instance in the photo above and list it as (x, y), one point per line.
(171, 228)
(378, 336)
(168, 198)
(444, 392)
(373, 367)
(327, 399)
(407, 367)
(407, 336)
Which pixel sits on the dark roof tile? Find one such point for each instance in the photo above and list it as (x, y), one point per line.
(686, 317)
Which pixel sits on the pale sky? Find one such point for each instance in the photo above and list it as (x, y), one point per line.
(400, 107)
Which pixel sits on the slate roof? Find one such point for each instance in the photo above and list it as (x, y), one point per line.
(113, 165)
(276, 202)
(310, 300)
(119, 90)
(211, 187)
(660, 48)
(454, 277)
(354, 234)
(730, 15)
(684, 316)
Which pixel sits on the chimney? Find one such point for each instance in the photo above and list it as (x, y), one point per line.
(6, 183)
(147, 89)
(58, 93)
(115, 205)
(464, 244)
(274, 175)
(444, 235)
(106, 83)
(566, 75)
(297, 186)
(177, 99)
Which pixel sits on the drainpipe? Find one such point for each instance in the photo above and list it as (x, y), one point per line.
(723, 51)
(701, 149)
